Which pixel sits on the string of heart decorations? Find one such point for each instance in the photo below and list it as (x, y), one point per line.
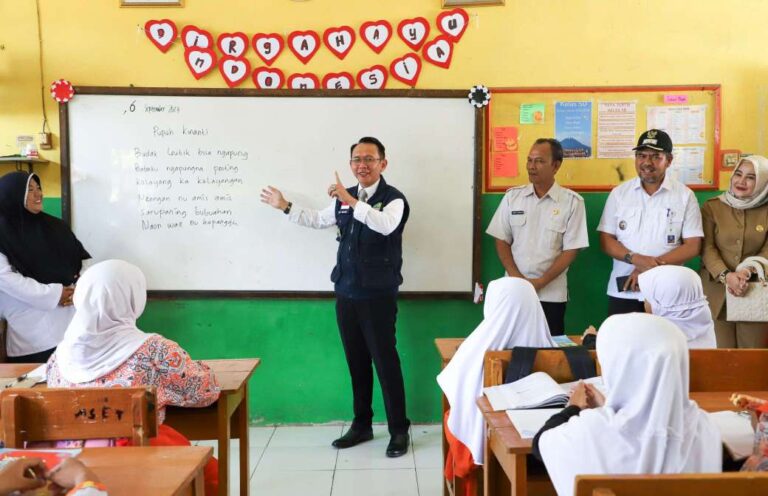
(201, 57)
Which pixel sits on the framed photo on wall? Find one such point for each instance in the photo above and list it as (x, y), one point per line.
(151, 3)
(470, 3)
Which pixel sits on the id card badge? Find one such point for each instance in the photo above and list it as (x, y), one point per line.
(671, 236)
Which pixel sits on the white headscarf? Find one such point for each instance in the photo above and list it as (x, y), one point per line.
(512, 317)
(102, 335)
(648, 424)
(760, 194)
(676, 294)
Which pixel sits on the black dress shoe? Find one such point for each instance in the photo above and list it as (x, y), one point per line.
(398, 445)
(352, 438)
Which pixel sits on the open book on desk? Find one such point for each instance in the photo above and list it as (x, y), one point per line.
(537, 390)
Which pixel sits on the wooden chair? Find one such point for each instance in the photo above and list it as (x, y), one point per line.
(3, 332)
(41, 414)
(741, 483)
(553, 362)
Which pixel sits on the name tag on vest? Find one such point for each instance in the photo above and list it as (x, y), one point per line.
(517, 212)
(344, 208)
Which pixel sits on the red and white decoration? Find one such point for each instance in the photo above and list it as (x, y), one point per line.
(228, 53)
(373, 78)
(376, 34)
(306, 81)
(453, 23)
(62, 90)
(234, 70)
(268, 78)
(413, 32)
(438, 51)
(232, 44)
(304, 44)
(200, 61)
(192, 36)
(161, 33)
(268, 46)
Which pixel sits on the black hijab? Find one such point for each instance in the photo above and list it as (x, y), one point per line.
(39, 246)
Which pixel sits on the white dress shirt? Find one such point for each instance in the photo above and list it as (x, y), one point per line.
(539, 230)
(383, 221)
(36, 322)
(648, 224)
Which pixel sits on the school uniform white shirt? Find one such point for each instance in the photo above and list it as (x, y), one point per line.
(539, 230)
(36, 322)
(650, 225)
(383, 221)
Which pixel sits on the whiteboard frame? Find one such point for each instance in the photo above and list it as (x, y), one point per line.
(66, 184)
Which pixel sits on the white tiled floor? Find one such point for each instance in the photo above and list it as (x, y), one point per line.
(298, 460)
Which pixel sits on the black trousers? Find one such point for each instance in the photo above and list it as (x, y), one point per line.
(39, 357)
(367, 329)
(623, 305)
(555, 314)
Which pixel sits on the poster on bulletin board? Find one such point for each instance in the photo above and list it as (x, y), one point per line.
(598, 127)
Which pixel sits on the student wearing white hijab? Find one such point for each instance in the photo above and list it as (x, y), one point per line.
(512, 317)
(646, 424)
(675, 293)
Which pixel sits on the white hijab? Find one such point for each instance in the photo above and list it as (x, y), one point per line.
(102, 335)
(648, 424)
(760, 195)
(676, 294)
(512, 317)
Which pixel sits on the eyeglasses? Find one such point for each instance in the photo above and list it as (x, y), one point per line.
(654, 157)
(365, 160)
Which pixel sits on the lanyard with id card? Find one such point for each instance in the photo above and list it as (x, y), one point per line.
(671, 235)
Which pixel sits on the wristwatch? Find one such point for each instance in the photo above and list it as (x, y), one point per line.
(628, 257)
(721, 276)
(288, 208)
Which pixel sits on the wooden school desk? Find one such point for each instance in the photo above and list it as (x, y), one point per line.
(160, 471)
(226, 419)
(714, 376)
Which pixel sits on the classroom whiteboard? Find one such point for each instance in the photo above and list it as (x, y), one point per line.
(171, 183)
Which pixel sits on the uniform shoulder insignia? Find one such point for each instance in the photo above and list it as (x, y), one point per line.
(516, 188)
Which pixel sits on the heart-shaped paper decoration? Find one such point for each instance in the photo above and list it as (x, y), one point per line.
(200, 61)
(161, 33)
(339, 40)
(192, 36)
(453, 23)
(306, 81)
(338, 81)
(234, 70)
(406, 69)
(373, 78)
(267, 46)
(413, 31)
(232, 44)
(304, 44)
(439, 51)
(376, 34)
(268, 78)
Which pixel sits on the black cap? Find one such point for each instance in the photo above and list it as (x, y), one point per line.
(655, 139)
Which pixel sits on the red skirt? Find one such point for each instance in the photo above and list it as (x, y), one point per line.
(459, 463)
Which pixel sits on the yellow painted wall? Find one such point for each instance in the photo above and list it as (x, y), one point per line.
(524, 43)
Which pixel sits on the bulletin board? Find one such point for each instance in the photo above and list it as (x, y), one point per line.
(598, 126)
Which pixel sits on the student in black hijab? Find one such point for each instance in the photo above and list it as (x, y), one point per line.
(40, 260)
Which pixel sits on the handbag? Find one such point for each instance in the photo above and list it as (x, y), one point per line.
(753, 306)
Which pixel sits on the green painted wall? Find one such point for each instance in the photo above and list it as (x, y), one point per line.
(303, 377)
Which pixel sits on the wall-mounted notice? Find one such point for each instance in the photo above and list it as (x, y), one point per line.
(532, 113)
(573, 128)
(688, 164)
(616, 123)
(685, 124)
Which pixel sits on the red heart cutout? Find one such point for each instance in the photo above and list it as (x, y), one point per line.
(304, 44)
(339, 40)
(192, 36)
(232, 44)
(161, 33)
(234, 70)
(267, 46)
(376, 34)
(268, 78)
(439, 51)
(406, 69)
(453, 23)
(373, 78)
(306, 81)
(200, 61)
(338, 81)
(413, 31)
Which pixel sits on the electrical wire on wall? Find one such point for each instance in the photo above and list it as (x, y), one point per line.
(42, 88)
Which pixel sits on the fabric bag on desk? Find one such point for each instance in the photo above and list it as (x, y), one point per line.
(753, 306)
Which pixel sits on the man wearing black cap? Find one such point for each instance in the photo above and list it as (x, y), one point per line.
(648, 221)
